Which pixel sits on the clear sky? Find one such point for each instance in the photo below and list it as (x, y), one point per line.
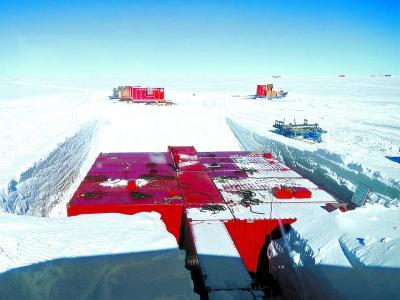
(199, 38)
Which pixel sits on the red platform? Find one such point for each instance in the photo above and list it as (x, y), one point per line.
(198, 189)
(204, 187)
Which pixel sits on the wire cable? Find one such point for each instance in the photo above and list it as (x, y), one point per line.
(214, 208)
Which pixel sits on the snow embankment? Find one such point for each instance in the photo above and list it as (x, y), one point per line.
(37, 190)
(323, 167)
(340, 255)
(46, 138)
(80, 258)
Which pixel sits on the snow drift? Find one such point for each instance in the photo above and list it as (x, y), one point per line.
(45, 184)
(79, 258)
(324, 168)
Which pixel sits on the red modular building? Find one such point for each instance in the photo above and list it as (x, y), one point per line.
(261, 90)
(141, 94)
(221, 206)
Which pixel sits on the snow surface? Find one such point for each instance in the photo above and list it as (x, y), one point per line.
(80, 258)
(51, 135)
(341, 254)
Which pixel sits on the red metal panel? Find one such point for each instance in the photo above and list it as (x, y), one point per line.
(152, 187)
(136, 93)
(159, 93)
(198, 189)
(142, 93)
(185, 158)
(282, 193)
(261, 90)
(146, 157)
(156, 94)
(301, 192)
(189, 150)
(267, 155)
(249, 237)
(133, 166)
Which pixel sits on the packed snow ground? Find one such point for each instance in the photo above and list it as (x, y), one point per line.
(69, 127)
(80, 258)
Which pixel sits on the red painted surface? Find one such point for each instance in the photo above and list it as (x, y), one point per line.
(132, 186)
(198, 189)
(267, 155)
(301, 193)
(249, 237)
(282, 193)
(142, 94)
(185, 158)
(151, 185)
(261, 90)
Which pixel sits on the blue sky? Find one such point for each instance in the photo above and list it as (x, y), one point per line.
(199, 38)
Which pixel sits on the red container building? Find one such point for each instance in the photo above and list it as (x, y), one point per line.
(261, 90)
(141, 94)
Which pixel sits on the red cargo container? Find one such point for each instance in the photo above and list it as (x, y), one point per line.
(261, 90)
(141, 94)
(302, 193)
(282, 193)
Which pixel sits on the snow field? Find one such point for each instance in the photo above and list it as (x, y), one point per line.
(325, 254)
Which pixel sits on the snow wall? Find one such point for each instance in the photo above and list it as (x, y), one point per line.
(301, 277)
(50, 181)
(322, 167)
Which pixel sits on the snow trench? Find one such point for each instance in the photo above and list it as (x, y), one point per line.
(323, 168)
(47, 182)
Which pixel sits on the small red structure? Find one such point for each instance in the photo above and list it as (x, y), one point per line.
(142, 94)
(283, 193)
(261, 90)
(301, 193)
